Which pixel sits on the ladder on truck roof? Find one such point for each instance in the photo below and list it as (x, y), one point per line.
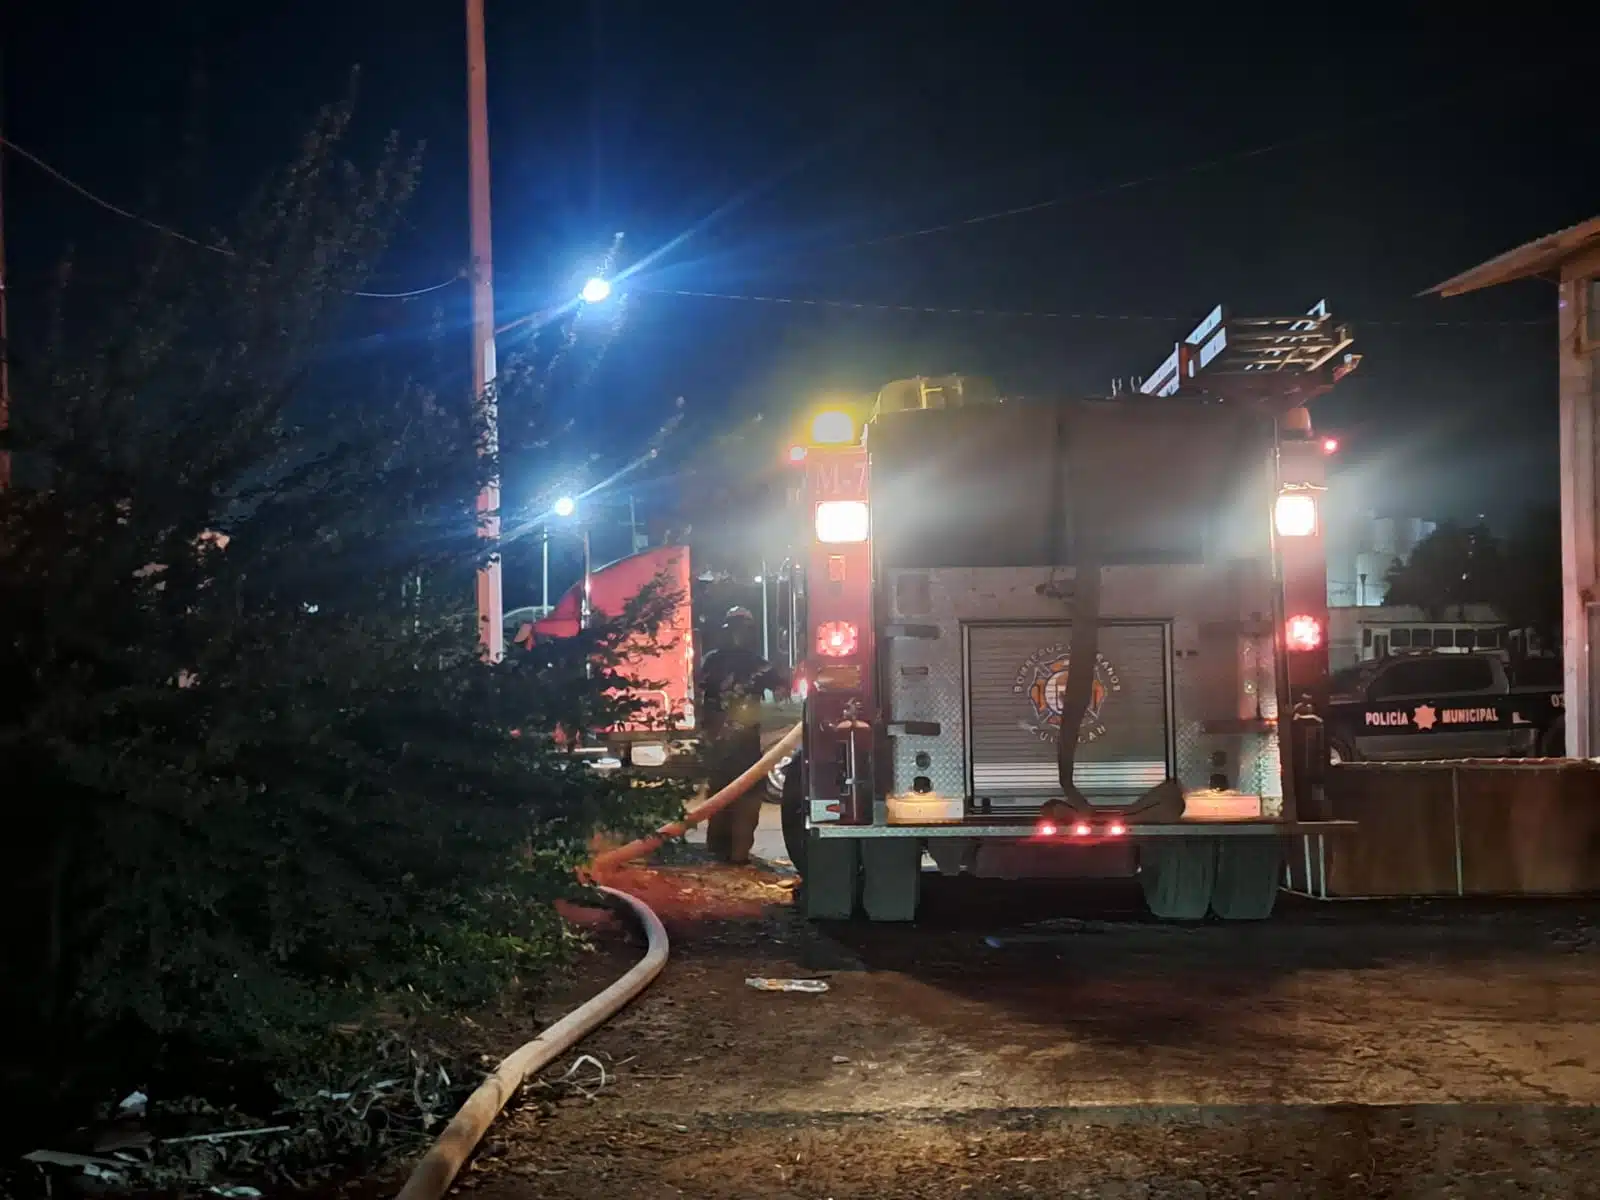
(1281, 362)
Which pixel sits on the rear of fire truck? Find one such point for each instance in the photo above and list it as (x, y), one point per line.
(967, 555)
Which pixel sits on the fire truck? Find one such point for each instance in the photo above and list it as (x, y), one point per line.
(967, 553)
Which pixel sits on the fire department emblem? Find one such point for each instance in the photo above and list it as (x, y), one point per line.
(1042, 681)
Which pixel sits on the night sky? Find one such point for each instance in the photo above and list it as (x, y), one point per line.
(1394, 151)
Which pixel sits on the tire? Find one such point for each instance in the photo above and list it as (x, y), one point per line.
(1339, 751)
(794, 815)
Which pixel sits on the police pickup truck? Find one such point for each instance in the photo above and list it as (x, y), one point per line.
(1431, 705)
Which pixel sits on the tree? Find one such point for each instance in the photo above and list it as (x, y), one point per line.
(258, 780)
(1453, 566)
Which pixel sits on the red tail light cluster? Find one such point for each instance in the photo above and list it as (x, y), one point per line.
(1304, 633)
(838, 639)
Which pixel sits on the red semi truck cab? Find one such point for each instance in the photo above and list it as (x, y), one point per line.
(663, 666)
(957, 545)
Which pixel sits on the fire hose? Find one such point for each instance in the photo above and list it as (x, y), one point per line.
(713, 805)
(437, 1170)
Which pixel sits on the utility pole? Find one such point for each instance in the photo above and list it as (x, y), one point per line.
(491, 622)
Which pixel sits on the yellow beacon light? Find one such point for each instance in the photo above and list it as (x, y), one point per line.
(832, 427)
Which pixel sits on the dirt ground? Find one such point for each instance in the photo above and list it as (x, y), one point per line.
(1054, 1042)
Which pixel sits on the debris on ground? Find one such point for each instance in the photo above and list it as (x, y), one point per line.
(133, 1104)
(811, 986)
(574, 1080)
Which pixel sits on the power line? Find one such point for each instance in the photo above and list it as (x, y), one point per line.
(177, 234)
(940, 310)
(1036, 314)
(75, 186)
(422, 291)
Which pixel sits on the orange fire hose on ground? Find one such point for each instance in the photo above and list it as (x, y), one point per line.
(431, 1178)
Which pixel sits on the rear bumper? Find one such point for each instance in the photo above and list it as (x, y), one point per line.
(1024, 830)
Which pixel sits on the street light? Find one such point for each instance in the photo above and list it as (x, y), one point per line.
(596, 291)
(566, 507)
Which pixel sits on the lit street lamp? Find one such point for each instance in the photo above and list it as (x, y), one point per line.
(596, 291)
(566, 507)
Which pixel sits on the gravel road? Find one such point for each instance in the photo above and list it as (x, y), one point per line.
(1054, 1042)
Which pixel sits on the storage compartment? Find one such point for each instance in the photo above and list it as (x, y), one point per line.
(1015, 677)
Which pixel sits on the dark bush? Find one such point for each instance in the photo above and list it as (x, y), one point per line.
(260, 784)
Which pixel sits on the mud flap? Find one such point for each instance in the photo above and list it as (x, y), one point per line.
(829, 889)
(1178, 876)
(1249, 870)
(891, 878)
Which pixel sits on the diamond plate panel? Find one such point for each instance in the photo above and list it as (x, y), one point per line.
(1252, 757)
(1191, 746)
(925, 685)
(1259, 754)
(1194, 753)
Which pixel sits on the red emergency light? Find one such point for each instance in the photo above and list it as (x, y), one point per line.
(1303, 632)
(1081, 829)
(837, 639)
(1330, 445)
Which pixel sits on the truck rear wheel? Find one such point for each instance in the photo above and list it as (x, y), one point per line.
(829, 870)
